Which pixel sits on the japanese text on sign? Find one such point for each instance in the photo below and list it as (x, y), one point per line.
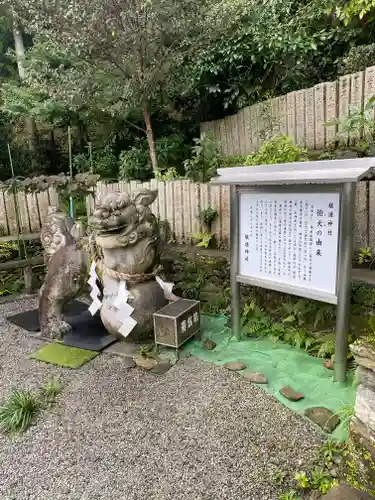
(290, 238)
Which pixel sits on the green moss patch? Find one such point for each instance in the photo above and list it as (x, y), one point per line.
(65, 356)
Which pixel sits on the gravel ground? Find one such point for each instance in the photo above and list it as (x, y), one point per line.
(198, 433)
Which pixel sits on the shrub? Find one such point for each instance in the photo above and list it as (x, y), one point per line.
(205, 159)
(8, 250)
(170, 174)
(207, 216)
(279, 149)
(358, 58)
(135, 164)
(104, 163)
(234, 161)
(171, 152)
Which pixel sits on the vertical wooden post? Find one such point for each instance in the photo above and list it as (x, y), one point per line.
(28, 278)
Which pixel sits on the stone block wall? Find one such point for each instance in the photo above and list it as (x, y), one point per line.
(361, 463)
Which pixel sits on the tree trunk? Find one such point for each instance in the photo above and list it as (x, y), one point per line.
(30, 124)
(20, 51)
(52, 151)
(150, 139)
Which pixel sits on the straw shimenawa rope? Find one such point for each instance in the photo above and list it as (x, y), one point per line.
(129, 278)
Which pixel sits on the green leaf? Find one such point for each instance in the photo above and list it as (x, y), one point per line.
(371, 322)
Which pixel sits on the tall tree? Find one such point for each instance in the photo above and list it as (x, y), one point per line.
(20, 56)
(118, 53)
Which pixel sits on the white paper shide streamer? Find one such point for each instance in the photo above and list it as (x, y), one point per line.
(96, 304)
(167, 288)
(124, 310)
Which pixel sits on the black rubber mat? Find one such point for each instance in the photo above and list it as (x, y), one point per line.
(29, 320)
(87, 332)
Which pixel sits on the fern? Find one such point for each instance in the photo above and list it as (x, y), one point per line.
(309, 343)
(326, 345)
(257, 327)
(299, 339)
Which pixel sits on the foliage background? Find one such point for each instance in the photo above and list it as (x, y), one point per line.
(216, 57)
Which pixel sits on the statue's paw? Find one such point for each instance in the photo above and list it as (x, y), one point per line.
(60, 329)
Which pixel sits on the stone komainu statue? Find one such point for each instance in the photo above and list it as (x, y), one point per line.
(128, 238)
(67, 262)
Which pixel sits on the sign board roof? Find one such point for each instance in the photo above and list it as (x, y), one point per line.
(309, 172)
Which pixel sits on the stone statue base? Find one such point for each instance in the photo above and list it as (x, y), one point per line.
(146, 299)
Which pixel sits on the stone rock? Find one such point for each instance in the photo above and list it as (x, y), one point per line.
(128, 363)
(145, 363)
(346, 492)
(209, 345)
(365, 406)
(161, 368)
(362, 455)
(328, 363)
(235, 366)
(256, 378)
(364, 354)
(314, 495)
(289, 393)
(323, 417)
(366, 377)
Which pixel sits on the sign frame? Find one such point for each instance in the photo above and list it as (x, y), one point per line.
(344, 264)
(274, 284)
(320, 175)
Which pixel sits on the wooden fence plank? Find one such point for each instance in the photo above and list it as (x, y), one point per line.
(186, 208)
(228, 132)
(361, 229)
(224, 138)
(319, 109)
(264, 124)
(215, 202)
(357, 83)
(43, 204)
(11, 213)
(162, 201)
(241, 132)
(32, 203)
(254, 126)
(195, 207)
(155, 205)
(344, 103)
(53, 196)
(169, 206)
(4, 223)
(283, 115)
(369, 89)
(23, 212)
(310, 120)
(300, 118)
(248, 133)
(291, 110)
(371, 215)
(275, 116)
(225, 216)
(235, 135)
(331, 110)
(178, 210)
